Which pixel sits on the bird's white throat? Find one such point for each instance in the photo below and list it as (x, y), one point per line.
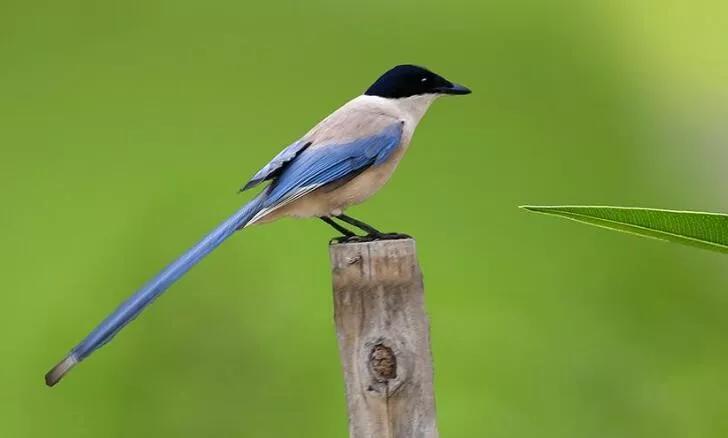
(415, 106)
(412, 108)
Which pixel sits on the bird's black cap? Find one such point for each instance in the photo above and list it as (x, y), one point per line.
(410, 80)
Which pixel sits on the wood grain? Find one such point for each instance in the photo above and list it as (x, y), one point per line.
(384, 343)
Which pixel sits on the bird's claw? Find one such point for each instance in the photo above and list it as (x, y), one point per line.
(339, 239)
(369, 238)
(390, 236)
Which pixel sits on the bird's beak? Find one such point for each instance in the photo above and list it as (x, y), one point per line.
(453, 89)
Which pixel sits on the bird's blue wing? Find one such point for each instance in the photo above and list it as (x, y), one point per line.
(275, 165)
(317, 166)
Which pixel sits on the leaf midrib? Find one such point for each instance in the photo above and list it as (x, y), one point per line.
(554, 211)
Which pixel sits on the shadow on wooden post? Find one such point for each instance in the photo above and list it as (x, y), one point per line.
(384, 341)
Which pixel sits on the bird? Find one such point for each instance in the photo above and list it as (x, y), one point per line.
(342, 161)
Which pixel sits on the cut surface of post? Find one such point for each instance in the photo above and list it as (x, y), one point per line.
(384, 341)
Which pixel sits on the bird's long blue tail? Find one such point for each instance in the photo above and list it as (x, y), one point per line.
(133, 306)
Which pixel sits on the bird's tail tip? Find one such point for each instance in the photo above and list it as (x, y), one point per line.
(57, 372)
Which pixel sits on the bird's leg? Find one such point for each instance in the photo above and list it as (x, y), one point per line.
(337, 227)
(346, 234)
(370, 230)
(372, 233)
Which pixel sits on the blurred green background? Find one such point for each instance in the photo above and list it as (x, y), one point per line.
(126, 129)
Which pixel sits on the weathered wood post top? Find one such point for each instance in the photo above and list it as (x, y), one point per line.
(383, 335)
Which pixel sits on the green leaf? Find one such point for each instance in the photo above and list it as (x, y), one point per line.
(703, 230)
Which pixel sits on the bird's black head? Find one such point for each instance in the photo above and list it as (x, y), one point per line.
(411, 80)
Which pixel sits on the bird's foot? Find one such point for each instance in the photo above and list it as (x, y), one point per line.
(345, 239)
(369, 238)
(351, 239)
(389, 236)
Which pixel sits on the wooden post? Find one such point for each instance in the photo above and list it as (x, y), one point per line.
(384, 341)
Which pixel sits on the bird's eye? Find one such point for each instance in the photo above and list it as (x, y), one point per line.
(423, 79)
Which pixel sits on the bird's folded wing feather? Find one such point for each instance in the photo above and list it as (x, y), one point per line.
(272, 169)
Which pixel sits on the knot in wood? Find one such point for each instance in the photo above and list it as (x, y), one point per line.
(383, 363)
